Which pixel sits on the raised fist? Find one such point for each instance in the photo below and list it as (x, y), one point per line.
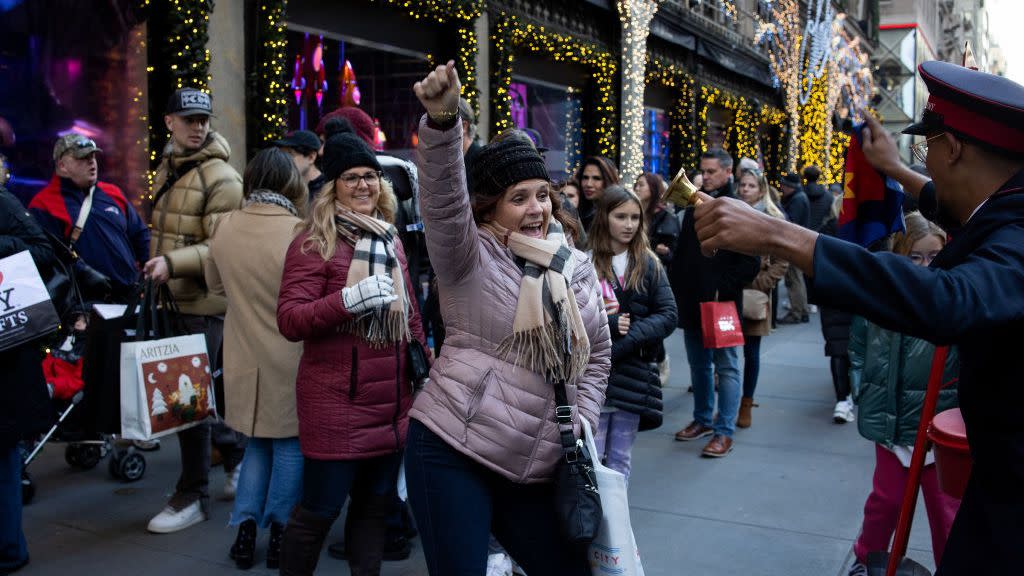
(439, 91)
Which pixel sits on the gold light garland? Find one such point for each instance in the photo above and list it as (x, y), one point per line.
(272, 90)
(740, 135)
(681, 113)
(509, 34)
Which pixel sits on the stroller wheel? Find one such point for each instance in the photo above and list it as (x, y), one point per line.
(132, 466)
(71, 455)
(89, 456)
(114, 464)
(28, 488)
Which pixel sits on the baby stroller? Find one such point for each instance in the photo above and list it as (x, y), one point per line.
(85, 394)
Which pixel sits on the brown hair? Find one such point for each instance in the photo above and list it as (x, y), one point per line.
(600, 239)
(918, 227)
(609, 174)
(657, 189)
(272, 169)
(770, 207)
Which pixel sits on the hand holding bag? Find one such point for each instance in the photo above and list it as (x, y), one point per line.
(614, 551)
(577, 501)
(166, 382)
(720, 325)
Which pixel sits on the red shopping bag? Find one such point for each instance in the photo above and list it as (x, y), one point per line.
(720, 325)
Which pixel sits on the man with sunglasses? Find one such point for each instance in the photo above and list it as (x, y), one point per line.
(969, 296)
(93, 218)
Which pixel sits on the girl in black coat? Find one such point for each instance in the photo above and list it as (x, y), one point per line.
(641, 314)
(24, 402)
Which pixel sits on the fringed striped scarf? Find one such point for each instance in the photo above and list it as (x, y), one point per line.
(548, 335)
(374, 243)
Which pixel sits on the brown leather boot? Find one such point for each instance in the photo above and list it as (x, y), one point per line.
(743, 420)
(303, 538)
(369, 534)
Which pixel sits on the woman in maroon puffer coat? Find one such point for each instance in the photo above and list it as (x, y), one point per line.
(345, 293)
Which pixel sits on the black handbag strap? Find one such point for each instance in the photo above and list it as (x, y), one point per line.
(563, 416)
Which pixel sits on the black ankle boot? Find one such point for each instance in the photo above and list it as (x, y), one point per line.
(274, 545)
(243, 551)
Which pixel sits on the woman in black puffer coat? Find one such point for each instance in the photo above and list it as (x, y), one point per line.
(641, 314)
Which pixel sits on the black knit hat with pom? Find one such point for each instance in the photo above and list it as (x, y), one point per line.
(501, 164)
(343, 149)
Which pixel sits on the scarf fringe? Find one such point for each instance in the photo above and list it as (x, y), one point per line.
(380, 330)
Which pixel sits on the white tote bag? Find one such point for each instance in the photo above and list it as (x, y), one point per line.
(614, 551)
(166, 386)
(26, 311)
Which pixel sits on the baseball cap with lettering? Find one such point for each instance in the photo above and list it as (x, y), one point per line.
(75, 144)
(189, 102)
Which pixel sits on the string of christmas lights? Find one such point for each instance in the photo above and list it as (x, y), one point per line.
(272, 84)
(177, 56)
(635, 16)
(509, 34)
(681, 113)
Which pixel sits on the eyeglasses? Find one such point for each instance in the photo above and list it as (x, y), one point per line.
(920, 149)
(372, 179)
(922, 258)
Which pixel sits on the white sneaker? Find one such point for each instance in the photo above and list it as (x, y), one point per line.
(499, 565)
(231, 484)
(171, 520)
(844, 411)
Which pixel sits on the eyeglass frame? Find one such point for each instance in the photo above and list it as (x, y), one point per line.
(920, 149)
(363, 177)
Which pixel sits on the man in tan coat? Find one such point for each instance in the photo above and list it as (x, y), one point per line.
(194, 187)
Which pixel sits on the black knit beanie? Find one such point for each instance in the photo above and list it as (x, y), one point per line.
(499, 165)
(344, 150)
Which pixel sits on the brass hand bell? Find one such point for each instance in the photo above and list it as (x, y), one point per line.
(681, 191)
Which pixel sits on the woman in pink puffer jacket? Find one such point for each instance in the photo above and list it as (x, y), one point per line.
(483, 443)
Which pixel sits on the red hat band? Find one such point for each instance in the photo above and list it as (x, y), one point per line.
(977, 126)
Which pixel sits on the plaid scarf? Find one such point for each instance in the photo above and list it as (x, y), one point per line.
(548, 335)
(374, 243)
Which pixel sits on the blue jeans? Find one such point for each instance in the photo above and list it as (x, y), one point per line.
(704, 363)
(13, 548)
(751, 364)
(326, 484)
(270, 482)
(616, 433)
(458, 503)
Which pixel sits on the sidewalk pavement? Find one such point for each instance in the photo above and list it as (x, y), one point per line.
(787, 501)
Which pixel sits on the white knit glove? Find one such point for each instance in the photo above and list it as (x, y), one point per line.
(369, 294)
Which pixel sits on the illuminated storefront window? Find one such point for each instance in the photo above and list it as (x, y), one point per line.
(72, 67)
(656, 142)
(551, 115)
(330, 73)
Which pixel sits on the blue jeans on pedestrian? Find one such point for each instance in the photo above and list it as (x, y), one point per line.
(326, 484)
(270, 482)
(458, 503)
(704, 362)
(13, 548)
(616, 433)
(751, 364)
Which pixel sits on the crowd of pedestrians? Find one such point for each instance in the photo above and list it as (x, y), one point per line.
(544, 304)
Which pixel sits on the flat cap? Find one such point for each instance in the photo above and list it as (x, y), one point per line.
(972, 104)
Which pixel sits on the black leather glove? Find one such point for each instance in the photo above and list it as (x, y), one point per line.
(94, 284)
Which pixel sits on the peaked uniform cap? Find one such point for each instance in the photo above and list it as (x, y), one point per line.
(976, 105)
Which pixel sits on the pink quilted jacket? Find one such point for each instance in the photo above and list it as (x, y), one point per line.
(498, 414)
